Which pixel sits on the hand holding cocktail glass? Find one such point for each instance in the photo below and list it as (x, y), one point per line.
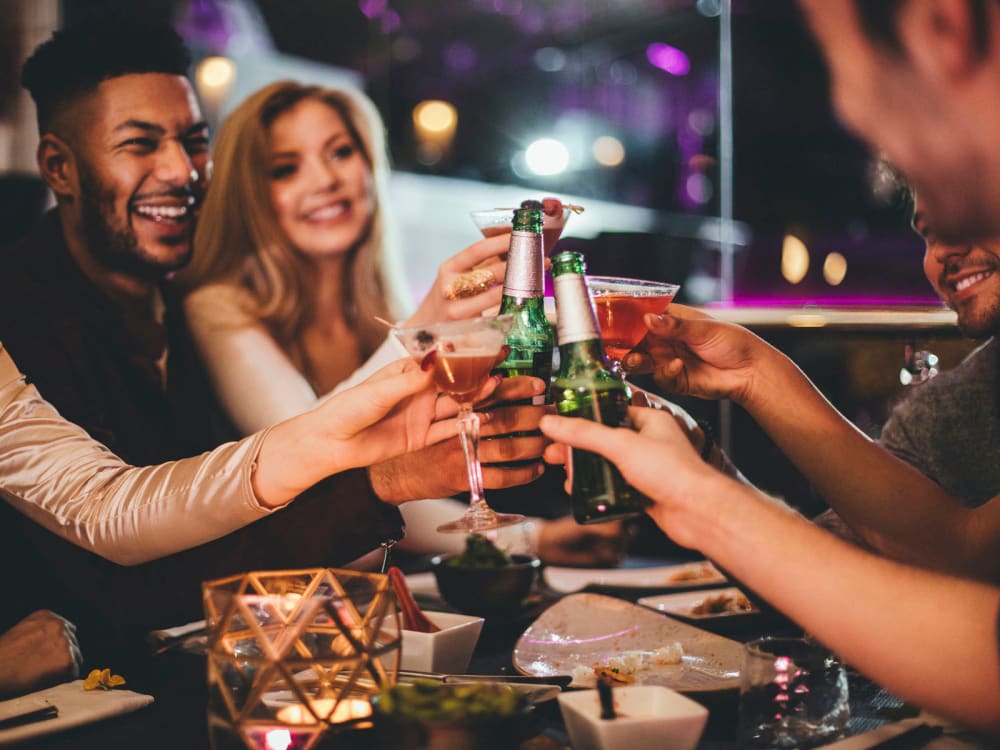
(462, 354)
(621, 305)
(493, 222)
(689, 353)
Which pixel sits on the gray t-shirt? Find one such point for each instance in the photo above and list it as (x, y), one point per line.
(949, 427)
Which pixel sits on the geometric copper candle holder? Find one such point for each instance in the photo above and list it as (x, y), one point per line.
(293, 654)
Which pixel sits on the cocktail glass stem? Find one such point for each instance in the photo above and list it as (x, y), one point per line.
(479, 513)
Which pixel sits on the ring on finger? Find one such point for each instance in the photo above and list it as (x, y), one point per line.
(471, 283)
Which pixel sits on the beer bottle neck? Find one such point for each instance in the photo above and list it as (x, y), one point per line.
(577, 320)
(525, 267)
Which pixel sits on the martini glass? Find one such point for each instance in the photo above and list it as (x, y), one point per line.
(462, 354)
(494, 221)
(620, 304)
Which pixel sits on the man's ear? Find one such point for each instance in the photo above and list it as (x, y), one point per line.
(941, 38)
(57, 165)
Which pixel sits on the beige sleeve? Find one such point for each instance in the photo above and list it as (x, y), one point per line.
(56, 474)
(256, 382)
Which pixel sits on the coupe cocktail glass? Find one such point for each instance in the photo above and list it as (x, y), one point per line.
(621, 304)
(462, 354)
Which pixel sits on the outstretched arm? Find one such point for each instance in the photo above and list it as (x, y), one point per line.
(874, 612)
(55, 473)
(884, 499)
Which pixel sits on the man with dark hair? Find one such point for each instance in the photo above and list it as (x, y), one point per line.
(949, 427)
(85, 314)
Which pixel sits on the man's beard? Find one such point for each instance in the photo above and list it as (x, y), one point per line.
(982, 325)
(116, 247)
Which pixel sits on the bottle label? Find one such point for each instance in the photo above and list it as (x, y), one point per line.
(525, 266)
(577, 318)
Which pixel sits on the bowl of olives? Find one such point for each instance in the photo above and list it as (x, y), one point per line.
(428, 715)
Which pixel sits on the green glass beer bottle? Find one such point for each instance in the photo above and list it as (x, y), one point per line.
(531, 338)
(586, 388)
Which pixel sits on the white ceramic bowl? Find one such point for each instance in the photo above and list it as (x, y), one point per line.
(447, 650)
(650, 717)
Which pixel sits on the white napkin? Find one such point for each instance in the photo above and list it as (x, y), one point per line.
(76, 707)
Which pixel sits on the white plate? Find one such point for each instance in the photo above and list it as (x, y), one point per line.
(585, 629)
(684, 602)
(568, 580)
(76, 707)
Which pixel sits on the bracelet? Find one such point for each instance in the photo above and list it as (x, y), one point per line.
(706, 448)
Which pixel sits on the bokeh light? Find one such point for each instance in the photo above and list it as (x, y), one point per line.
(834, 268)
(668, 58)
(547, 156)
(550, 59)
(435, 116)
(699, 188)
(794, 259)
(608, 151)
(216, 72)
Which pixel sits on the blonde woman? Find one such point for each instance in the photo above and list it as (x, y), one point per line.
(294, 263)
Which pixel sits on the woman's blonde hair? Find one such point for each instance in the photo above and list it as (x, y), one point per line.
(239, 240)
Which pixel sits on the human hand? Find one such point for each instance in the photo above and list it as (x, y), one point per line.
(397, 410)
(563, 541)
(690, 353)
(39, 651)
(688, 424)
(656, 448)
(467, 284)
(440, 470)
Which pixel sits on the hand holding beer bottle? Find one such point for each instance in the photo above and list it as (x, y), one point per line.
(586, 388)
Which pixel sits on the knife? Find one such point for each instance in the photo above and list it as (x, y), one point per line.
(914, 737)
(29, 717)
(560, 681)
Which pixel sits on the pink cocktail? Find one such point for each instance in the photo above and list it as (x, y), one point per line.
(462, 353)
(620, 304)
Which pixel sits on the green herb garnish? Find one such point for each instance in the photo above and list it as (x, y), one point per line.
(426, 700)
(480, 552)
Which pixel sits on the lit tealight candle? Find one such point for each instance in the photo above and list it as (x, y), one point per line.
(346, 710)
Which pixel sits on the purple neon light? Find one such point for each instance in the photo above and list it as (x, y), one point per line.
(668, 58)
(832, 302)
(373, 8)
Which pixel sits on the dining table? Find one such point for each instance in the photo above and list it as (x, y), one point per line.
(177, 680)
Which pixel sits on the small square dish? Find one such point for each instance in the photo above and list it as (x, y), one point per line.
(447, 651)
(650, 717)
(698, 606)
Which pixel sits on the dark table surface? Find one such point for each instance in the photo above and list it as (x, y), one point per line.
(177, 680)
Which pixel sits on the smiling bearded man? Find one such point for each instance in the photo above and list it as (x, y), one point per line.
(88, 313)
